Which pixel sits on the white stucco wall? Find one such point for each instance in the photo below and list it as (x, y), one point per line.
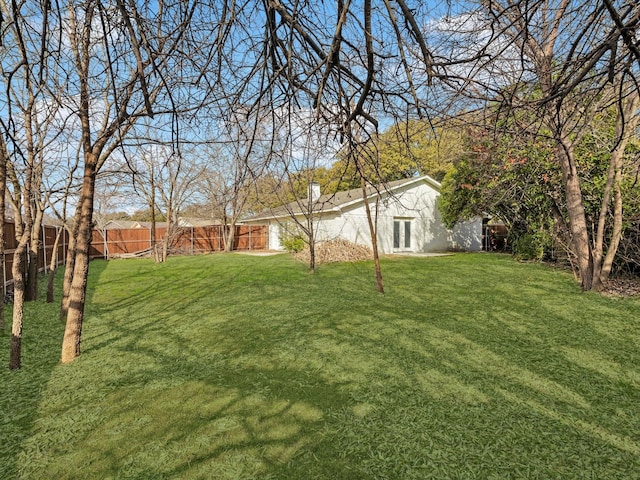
(415, 203)
(467, 235)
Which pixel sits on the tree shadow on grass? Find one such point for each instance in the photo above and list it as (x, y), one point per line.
(21, 391)
(321, 379)
(144, 402)
(159, 414)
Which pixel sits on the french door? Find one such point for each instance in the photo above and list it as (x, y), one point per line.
(401, 234)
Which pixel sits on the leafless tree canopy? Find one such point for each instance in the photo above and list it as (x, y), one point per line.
(346, 61)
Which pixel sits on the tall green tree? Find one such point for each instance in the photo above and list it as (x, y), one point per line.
(517, 179)
(564, 61)
(405, 149)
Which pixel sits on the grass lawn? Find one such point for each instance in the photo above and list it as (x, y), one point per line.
(239, 367)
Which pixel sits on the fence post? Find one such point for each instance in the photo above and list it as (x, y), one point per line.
(192, 246)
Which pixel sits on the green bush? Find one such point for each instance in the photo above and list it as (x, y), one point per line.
(292, 243)
(530, 246)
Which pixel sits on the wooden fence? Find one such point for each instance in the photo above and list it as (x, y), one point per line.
(113, 243)
(45, 250)
(188, 240)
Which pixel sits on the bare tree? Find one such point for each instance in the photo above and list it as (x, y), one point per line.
(625, 16)
(166, 181)
(571, 92)
(236, 158)
(304, 146)
(29, 130)
(4, 156)
(58, 204)
(108, 197)
(363, 158)
(348, 62)
(225, 192)
(611, 205)
(106, 79)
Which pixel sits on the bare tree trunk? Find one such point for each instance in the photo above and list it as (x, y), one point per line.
(575, 210)
(69, 265)
(51, 276)
(616, 235)
(229, 236)
(312, 257)
(31, 289)
(31, 280)
(164, 245)
(374, 236)
(152, 206)
(612, 186)
(168, 235)
(19, 258)
(152, 233)
(626, 124)
(52, 266)
(77, 293)
(312, 241)
(3, 186)
(612, 178)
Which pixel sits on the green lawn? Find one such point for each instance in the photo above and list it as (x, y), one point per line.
(238, 367)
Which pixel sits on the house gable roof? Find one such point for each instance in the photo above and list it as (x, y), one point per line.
(337, 202)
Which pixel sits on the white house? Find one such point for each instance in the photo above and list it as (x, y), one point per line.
(408, 218)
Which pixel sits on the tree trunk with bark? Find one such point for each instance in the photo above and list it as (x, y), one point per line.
(23, 234)
(166, 242)
(3, 186)
(18, 269)
(153, 233)
(31, 290)
(312, 241)
(155, 254)
(229, 236)
(31, 278)
(77, 292)
(626, 124)
(374, 235)
(575, 210)
(69, 265)
(53, 265)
